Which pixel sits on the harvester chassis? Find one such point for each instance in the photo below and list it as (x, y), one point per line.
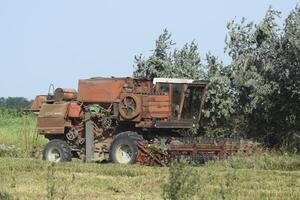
(128, 120)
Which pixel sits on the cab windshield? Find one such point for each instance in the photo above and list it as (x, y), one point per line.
(192, 102)
(185, 100)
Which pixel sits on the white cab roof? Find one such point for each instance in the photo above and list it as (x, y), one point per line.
(172, 80)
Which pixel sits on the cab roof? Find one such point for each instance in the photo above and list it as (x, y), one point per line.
(179, 80)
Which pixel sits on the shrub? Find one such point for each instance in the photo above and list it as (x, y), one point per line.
(5, 195)
(10, 151)
(182, 182)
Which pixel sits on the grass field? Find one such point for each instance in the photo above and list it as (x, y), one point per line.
(261, 176)
(27, 178)
(11, 129)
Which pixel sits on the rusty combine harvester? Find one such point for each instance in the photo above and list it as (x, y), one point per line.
(127, 120)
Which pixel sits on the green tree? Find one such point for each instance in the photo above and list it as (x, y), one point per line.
(14, 102)
(170, 63)
(159, 64)
(219, 106)
(265, 76)
(2, 102)
(187, 62)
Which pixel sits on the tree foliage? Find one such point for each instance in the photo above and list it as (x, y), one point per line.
(265, 74)
(258, 94)
(169, 63)
(219, 106)
(14, 102)
(159, 63)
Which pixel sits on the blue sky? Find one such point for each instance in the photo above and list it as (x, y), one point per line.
(60, 41)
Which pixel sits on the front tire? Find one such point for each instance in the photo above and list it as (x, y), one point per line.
(57, 151)
(124, 148)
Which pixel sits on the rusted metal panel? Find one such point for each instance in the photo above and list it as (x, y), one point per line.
(57, 110)
(51, 125)
(158, 98)
(142, 90)
(38, 101)
(156, 115)
(74, 110)
(158, 109)
(64, 94)
(160, 114)
(100, 90)
(156, 106)
(51, 119)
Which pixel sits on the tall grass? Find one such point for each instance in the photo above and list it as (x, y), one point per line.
(183, 182)
(27, 178)
(262, 161)
(11, 129)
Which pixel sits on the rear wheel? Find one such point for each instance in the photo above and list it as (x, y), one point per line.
(57, 151)
(124, 148)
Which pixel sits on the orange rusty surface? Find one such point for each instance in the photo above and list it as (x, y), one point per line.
(65, 94)
(38, 101)
(156, 106)
(51, 118)
(51, 125)
(138, 109)
(74, 110)
(158, 98)
(104, 90)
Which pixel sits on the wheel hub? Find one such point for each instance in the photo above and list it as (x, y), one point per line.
(123, 154)
(54, 155)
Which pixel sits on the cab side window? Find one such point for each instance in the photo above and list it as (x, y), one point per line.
(164, 88)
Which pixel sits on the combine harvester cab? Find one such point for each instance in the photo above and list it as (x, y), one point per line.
(127, 120)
